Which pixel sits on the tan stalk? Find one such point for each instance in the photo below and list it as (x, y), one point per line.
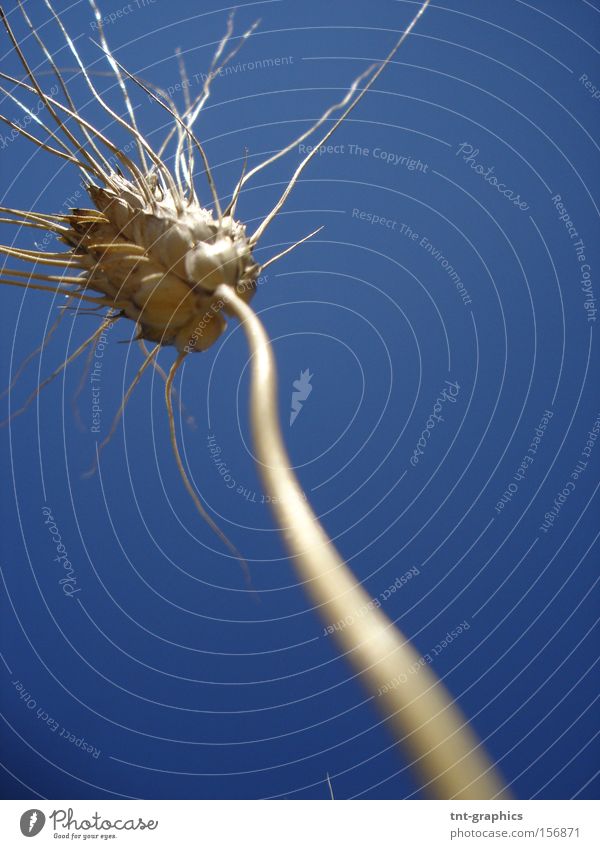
(419, 711)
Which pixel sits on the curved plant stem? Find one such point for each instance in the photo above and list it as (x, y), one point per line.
(417, 707)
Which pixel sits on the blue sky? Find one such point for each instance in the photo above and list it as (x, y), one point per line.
(457, 204)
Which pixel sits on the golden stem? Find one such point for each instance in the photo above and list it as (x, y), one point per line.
(419, 711)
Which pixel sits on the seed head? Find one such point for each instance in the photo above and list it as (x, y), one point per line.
(161, 262)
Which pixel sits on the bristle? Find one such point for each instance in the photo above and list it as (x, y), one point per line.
(102, 174)
(184, 477)
(193, 111)
(121, 83)
(139, 175)
(89, 341)
(23, 132)
(146, 248)
(33, 117)
(41, 257)
(77, 295)
(112, 430)
(46, 100)
(347, 111)
(21, 368)
(288, 250)
(41, 217)
(164, 376)
(306, 134)
(186, 130)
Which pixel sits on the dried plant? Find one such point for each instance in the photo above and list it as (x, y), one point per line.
(147, 251)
